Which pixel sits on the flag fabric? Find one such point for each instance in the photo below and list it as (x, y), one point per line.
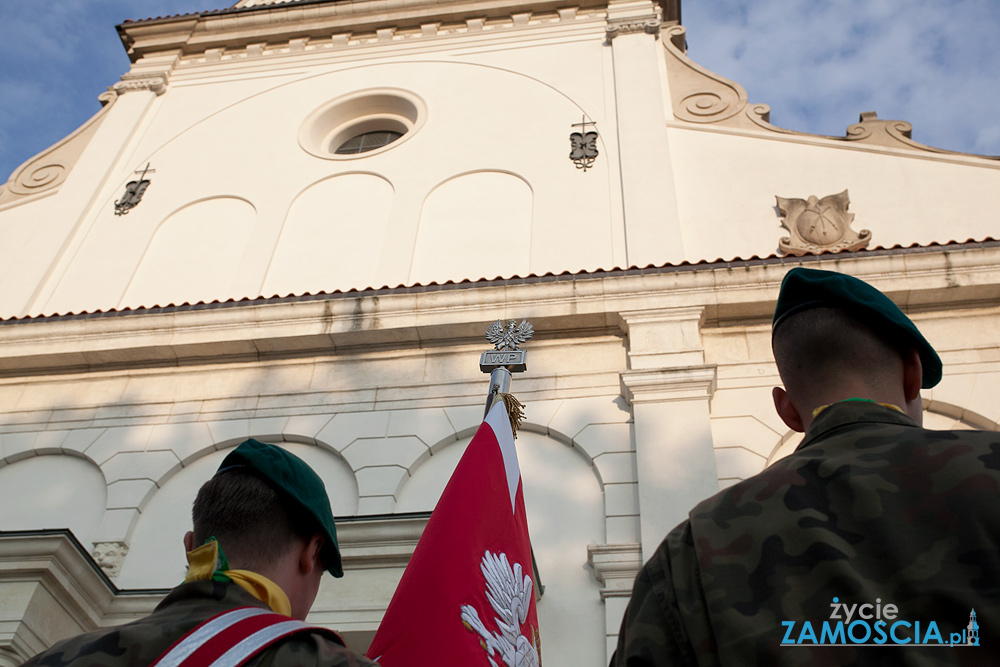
(467, 596)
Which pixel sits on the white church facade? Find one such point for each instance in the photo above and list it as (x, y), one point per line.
(295, 220)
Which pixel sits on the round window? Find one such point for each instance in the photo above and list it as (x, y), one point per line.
(362, 124)
(367, 141)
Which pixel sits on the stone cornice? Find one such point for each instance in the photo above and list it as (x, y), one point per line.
(669, 384)
(288, 23)
(941, 279)
(615, 567)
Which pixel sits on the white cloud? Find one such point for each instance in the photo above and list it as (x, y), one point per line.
(819, 64)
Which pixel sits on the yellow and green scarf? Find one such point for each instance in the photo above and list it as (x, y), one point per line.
(208, 562)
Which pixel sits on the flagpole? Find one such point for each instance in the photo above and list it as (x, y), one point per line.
(499, 384)
(505, 358)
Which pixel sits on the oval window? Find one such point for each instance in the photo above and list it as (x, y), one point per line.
(363, 123)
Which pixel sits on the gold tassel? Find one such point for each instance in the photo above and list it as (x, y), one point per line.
(515, 411)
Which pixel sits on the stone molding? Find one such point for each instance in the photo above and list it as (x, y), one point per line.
(872, 130)
(658, 315)
(615, 567)
(664, 337)
(45, 172)
(130, 84)
(701, 96)
(55, 562)
(649, 25)
(411, 319)
(250, 32)
(669, 384)
(379, 542)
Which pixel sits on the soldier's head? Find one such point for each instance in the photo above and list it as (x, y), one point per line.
(837, 337)
(270, 514)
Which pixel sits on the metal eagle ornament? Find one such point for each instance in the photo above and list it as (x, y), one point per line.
(505, 353)
(505, 358)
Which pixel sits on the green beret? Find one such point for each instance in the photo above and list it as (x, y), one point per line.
(293, 477)
(803, 289)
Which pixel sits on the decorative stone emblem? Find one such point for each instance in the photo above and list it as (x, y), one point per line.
(110, 556)
(819, 225)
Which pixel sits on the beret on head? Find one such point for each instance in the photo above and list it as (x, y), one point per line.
(803, 289)
(293, 477)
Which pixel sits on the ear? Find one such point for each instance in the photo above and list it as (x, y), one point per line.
(309, 557)
(189, 541)
(913, 374)
(787, 412)
(913, 378)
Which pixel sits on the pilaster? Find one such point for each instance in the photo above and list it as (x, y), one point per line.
(652, 227)
(48, 592)
(670, 389)
(615, 567)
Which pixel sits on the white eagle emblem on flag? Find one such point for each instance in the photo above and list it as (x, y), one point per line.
(509, 594)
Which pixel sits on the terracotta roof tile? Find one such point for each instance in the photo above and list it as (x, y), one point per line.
(753, 260)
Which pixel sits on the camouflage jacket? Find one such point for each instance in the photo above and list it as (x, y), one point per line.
(869, 510)
(139, 643)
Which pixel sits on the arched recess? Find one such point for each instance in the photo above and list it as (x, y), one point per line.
(53, 491)
(156, 557)
(194, 254)
(938, 416)
(331, 233)
(565, 508)
(463, 224)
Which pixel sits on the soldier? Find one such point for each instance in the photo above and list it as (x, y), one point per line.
(875, 542)
(266, 534)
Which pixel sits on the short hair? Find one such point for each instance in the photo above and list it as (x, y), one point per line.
(822, 345)
(254, 523)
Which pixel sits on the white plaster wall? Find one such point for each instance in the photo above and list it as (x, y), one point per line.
(564, 503)
(333, 231)
(52, 491)
(456, 221)
(478, 118)
(193, 255)
(156, 554)
(727, 182)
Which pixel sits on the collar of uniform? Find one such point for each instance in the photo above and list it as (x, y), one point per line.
(848, 413)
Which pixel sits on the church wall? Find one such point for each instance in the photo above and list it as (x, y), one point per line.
(647, 390)
(902, 197)
(505, 106)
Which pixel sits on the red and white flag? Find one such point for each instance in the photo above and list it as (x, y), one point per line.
(467, 596)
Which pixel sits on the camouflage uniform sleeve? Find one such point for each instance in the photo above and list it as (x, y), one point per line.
(657, 628)
(311, 649)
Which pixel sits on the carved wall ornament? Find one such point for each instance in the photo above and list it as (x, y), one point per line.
(648, 24)
(156, 84)
(583, 145)
(110, 556)
(819, 225)
(44, 173)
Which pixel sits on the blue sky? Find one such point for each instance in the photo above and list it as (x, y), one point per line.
(817, 63)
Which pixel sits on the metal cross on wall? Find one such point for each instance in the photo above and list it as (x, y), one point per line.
(583, 145)
(133, 192)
